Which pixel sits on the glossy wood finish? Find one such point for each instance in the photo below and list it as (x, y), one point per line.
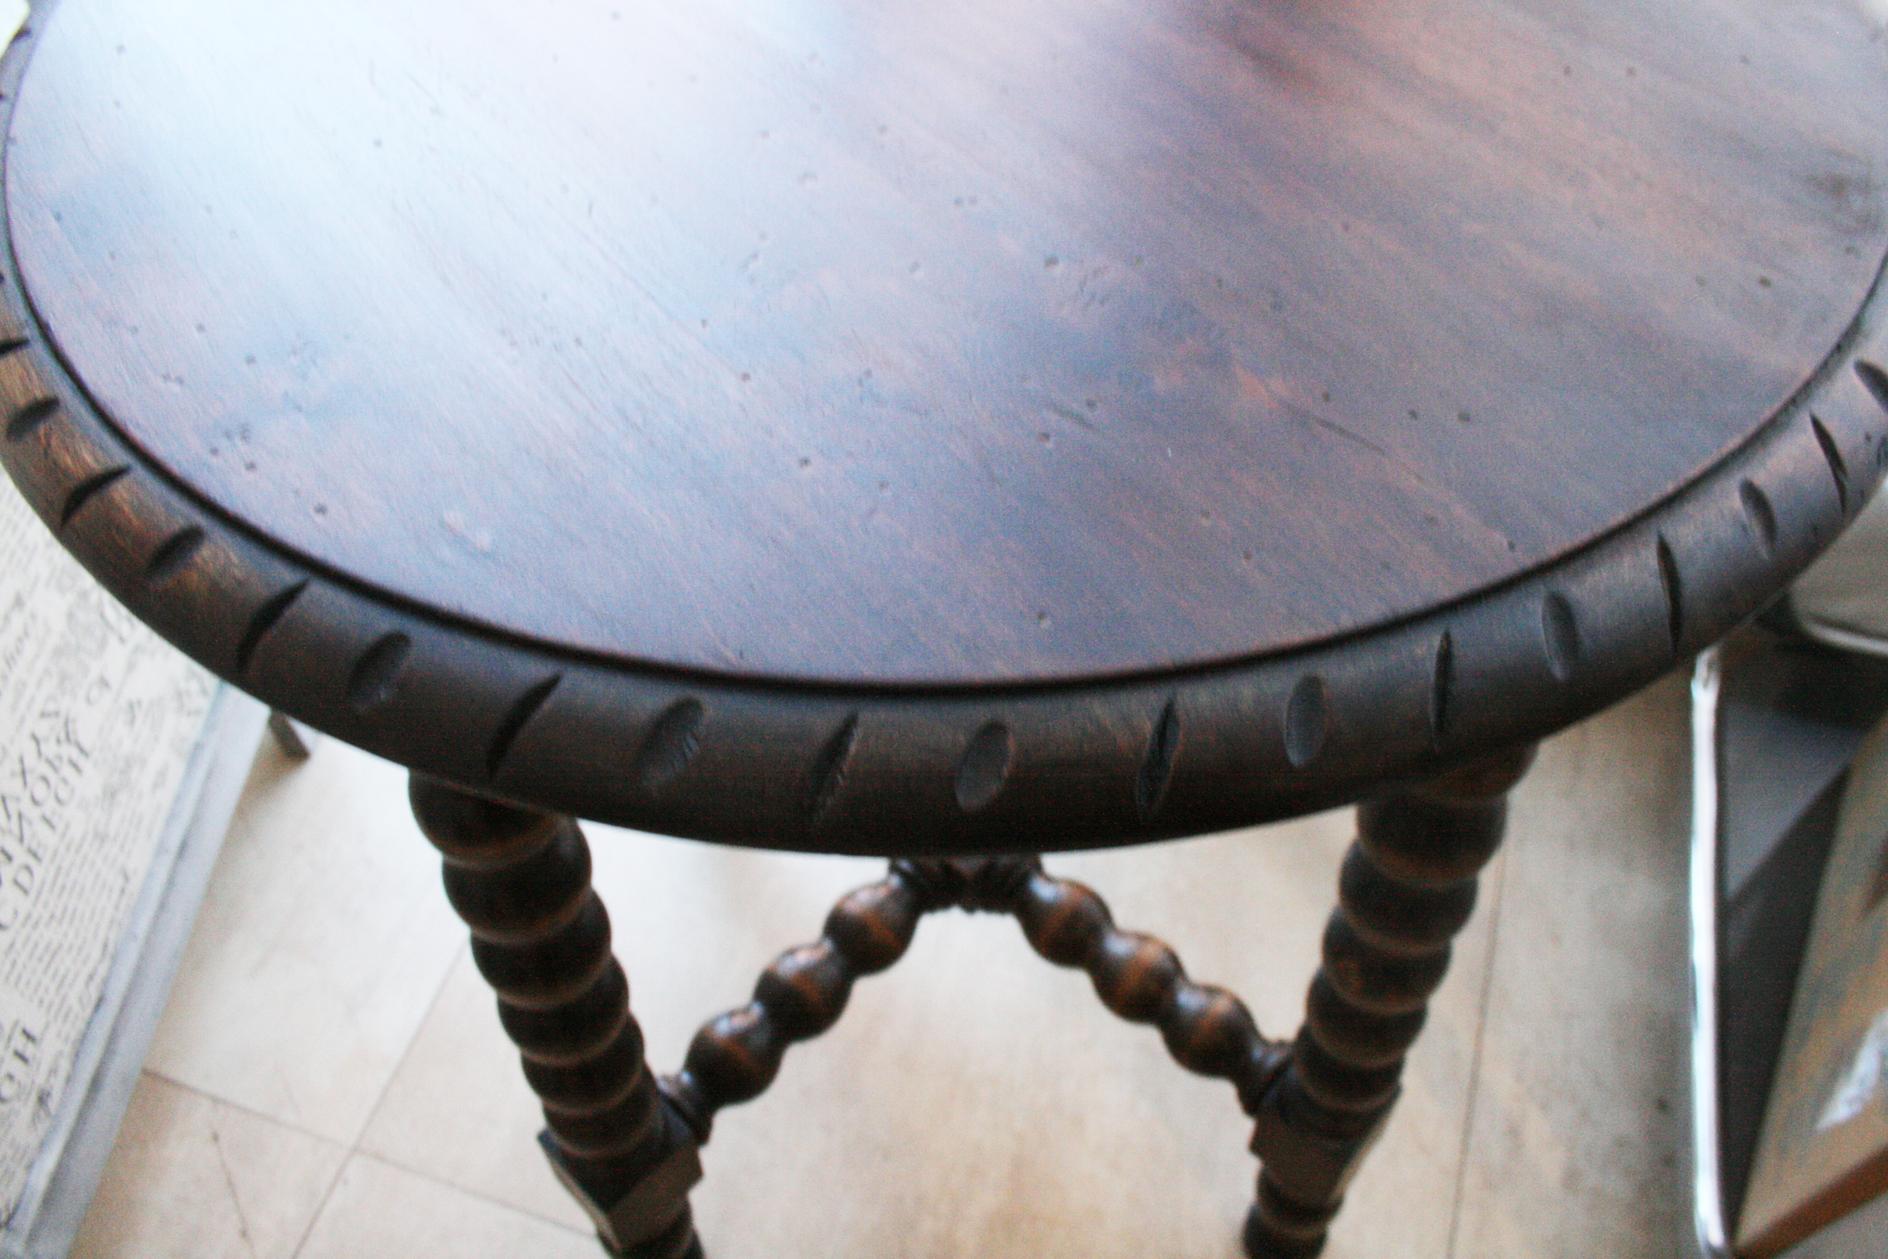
(885, 344)
(898, 768)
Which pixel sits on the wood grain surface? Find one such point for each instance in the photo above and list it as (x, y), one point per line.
(896, 344)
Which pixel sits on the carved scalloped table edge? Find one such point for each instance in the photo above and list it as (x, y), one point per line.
(907, 771)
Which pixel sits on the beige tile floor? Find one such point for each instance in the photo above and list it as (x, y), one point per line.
(330, 1080)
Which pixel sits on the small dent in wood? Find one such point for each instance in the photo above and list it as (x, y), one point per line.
(1306, 719)
(513, 722)
(829, 768)
(171, 557)
(984, 766)
(1674, 594)
(1163, 745)
(1837, 468)
(87, 490)
(263, 619)
(1442, 689)
(377, 672)
(1560, 635)
(671, 744)
(1762, 516)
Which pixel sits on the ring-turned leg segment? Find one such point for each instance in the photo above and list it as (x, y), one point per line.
(802, 994)
(1407, 887)
(1208, 1030)
(520, 879)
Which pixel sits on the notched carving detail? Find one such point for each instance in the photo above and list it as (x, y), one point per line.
(829, 768)
(1442, 689)
(1560, 635)
(1163, 745)
(1307, 718)
(263, 619)
(985, 766)
(88, 489)
(1837, 468)
(173, 555)
(671, 744)
(377, 673)
(512, 724)
(22, 423)
(1762, 516)
(1674, 594)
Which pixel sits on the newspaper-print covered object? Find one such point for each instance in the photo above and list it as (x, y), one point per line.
(98, 719)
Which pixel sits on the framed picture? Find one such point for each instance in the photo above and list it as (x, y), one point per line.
(1823, 1148)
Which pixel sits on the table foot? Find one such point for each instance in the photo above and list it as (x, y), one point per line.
(1408, 886)
(520, 880)
(296, 740)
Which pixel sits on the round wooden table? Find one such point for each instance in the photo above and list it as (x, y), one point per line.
(950, 432)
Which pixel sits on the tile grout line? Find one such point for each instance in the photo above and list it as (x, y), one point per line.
(1495, 909)
(242, 1108)
(352, 1149)
(321, 1207)
(229, 1183)
(406, 1051)
(475, 1194)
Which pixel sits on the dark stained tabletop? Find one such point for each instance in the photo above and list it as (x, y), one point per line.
(893, 348)
(954, 343)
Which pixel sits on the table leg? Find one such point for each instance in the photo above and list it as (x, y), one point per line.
(297, 740)
(520, 879)
(1407, 887)
(628, 1147)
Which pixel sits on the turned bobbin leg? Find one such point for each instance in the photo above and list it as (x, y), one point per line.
(521, 881)
(1208, 1030)
(1407, 888)
(736, 1055)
